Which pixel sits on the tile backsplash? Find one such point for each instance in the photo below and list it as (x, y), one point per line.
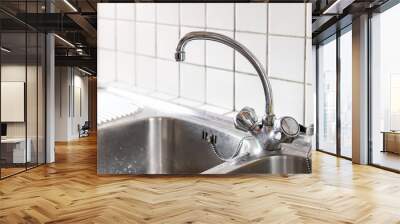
(137, 42)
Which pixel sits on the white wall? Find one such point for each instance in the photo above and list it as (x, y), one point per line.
(136, 44)
(17, 72)
(68, 82)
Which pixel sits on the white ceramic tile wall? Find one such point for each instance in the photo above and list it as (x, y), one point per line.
(125, 12)
(291, 50)
(140, 53)
(145, 38)
(168, 77)
(168, 13)
(285, 19)
(220, 16)
(193, 82)
(251, 17)
(125, 42)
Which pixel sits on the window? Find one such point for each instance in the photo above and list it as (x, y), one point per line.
(346, 94)
(327, 97)
(385, 89)
(335, 94)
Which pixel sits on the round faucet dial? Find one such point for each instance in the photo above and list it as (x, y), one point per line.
(289, 126)
(246, 119)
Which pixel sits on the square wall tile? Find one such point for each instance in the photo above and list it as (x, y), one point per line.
(125, 36)
(251, 17)
(145, 39)
(249, 92)
(219, 55)
(220, 15)
(311, 62)
(220, 88)
(168, 77)
(286, 58)
(168, 13)
(257, 44)
(126, 11)
(146, 12)
(192, 82)
(288, 99)
(195, 50)
(106, 66)
(309, 20)
(106, 10)
(193, 14)
(126, 68)
(167, 39)
(146, 72)
(106, 34)
(287, 19)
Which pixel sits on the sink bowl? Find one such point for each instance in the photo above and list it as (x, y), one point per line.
(161, 145)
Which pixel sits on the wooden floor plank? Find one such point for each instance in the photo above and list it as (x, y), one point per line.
(69, 191)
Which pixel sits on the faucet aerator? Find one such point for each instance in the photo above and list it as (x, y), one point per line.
(180, 56)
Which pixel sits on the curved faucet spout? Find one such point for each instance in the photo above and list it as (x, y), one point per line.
(201, 35)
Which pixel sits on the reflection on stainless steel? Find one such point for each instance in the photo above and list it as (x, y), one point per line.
(163, 138)
(273, 164)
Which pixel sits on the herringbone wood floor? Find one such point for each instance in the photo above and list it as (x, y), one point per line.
(69, 191)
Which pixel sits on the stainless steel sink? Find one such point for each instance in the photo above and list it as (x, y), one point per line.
(163, 138)
(160, 145)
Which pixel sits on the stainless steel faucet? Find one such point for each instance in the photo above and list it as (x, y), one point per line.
(270, 132)
(201, 35)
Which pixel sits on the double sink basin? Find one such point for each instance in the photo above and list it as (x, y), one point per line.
(164, 138)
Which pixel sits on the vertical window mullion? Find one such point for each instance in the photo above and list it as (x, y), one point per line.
(317, 96)
(338, 73)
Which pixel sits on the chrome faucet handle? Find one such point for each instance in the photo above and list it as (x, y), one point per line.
(287, 126)
(246, 119)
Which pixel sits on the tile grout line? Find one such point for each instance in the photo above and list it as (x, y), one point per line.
(156, 47)
(179, 63)
(205, 55)
(234, 59)
(135, 48)
(267, 63)
(305, 64)
(115, 44)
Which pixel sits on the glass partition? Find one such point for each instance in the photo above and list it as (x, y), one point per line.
(14, 153)
(32, 95)
(23, 89)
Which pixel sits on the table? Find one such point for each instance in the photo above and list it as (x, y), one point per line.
(13, 150)
(391, 141)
